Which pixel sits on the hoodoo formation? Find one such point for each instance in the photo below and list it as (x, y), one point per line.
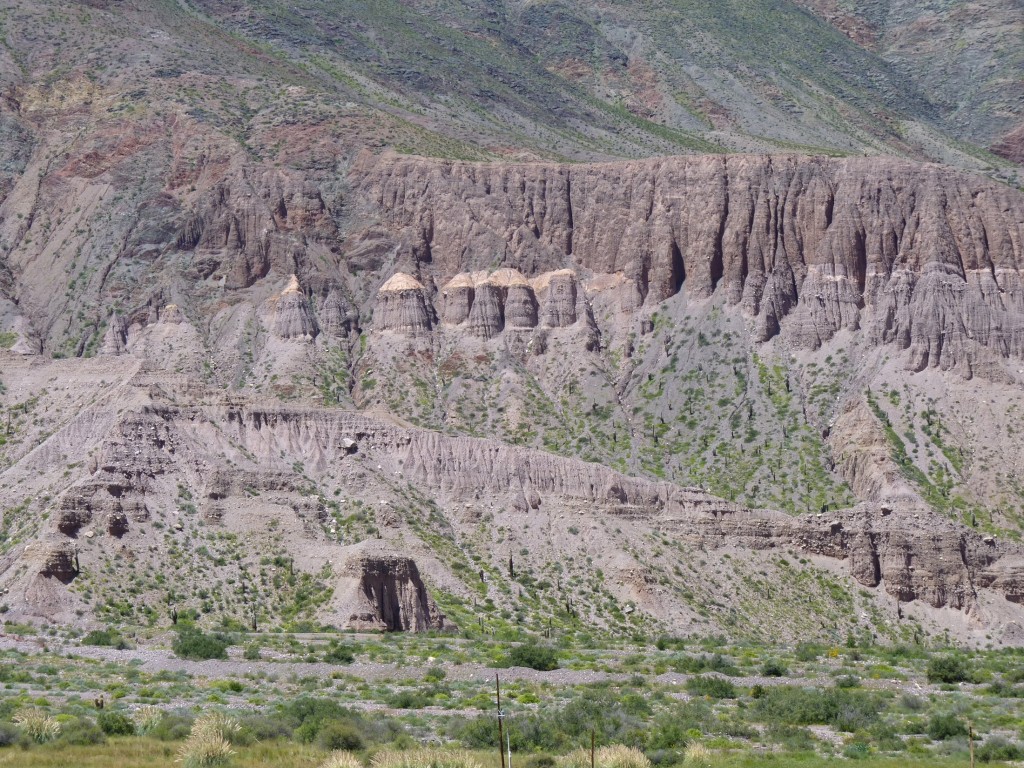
(291, 317)
(403, 306)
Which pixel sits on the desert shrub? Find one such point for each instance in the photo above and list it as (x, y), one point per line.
(542, 760)
(848, 681)
(339, 735)
(195, 644)
(171, 727)
(621, 756)
(791, 737)
(947, 669)
(341, 760)
(845, 710)
(711, 685)
(37, 725)
(614, 756)
(774, 668)
(115, 724)
(251, 652)
(435, 675)
(105, 638)
(945, 725)
(539, 657)
(410, 699)
(266, 727)
(339, 653)
(713, 663)
(209, 743)
(424, 758)
(808, 652)
(204, 751)
(8, 734)
(857, 751)
(83, 732)
(696, 754)
(998, 748)
(217, 725)
(306, 716)
(147, 719)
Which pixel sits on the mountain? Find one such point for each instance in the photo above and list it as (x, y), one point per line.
(530, 312)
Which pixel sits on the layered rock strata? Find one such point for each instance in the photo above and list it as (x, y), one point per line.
(912, 554)
(920, 256)
(485, 304)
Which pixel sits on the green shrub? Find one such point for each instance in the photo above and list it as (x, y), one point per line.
(82, 732)
(338, 653)
(266, 727)
(848, 681)
(948, 669)
(338, 734)
(251, 652)
(172, 728)
(8, 734)
(115, 724)
(435, 675)
(199, 646)
(845, 710)
(105, 638)
(857, 751)
(774, 668)
(944, 726)
(711, 685)
(807, 652)
(533, 656)
(998, 748)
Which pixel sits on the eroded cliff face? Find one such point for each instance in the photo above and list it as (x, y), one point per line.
(920, 256)
(284, 485)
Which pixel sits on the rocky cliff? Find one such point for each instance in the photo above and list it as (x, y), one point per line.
(923, 257)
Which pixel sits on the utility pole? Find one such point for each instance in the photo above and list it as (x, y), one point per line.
(501, 717)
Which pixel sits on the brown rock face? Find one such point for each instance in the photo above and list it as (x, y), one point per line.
(920, 256)
(391, 596)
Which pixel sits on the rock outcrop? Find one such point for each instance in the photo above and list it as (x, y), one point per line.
(384, 591)
(404, 307)
(338, 316)
(910, 552)
(290, 315)
(487, 315)
(115, 338)
(920, 256)
(457, 300)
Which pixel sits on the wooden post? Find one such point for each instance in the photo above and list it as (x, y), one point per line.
(501, 716)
